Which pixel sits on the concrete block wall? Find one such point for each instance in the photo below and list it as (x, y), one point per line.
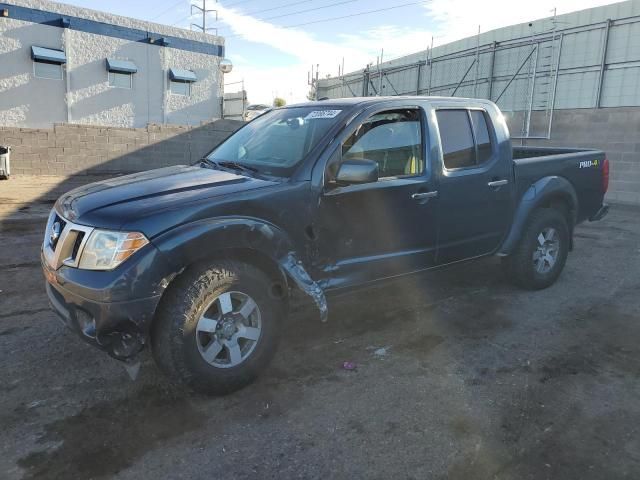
(68, 149)
(614, 130)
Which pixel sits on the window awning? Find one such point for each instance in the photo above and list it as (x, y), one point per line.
(48, 55)
(180, 75)
(121, 66)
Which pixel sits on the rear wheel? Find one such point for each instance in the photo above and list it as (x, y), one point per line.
(542, 251)
(217, 327)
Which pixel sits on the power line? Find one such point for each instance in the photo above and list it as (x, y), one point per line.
(237, 3)
(189, 16)
(341, 17)
(309, 10)
(367, 12)
(286, 14)
(278, 7)
(357, 14)
(166, 10)
(301, 11)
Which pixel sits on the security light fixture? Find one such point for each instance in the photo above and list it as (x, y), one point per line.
(225, 65)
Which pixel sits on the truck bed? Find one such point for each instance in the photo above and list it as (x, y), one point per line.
(581, 167)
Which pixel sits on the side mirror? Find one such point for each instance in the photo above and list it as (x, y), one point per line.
(357, 171)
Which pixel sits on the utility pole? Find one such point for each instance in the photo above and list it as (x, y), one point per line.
(380, 73)
(475, 82)
(430, 63)
(204, 12)
(312, 81)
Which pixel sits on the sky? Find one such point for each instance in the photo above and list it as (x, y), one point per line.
(274, 43)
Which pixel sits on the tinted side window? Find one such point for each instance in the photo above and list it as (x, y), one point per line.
(458, 149)
(483, 138)
(392, 139)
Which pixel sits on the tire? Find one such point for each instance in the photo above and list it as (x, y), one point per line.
(184, 344)
(524, 264)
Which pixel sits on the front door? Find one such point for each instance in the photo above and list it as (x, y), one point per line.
(384, 228)
(474, 190)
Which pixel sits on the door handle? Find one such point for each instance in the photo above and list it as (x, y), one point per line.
(423, 195)
(497, 183)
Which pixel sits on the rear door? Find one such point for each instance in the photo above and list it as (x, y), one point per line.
(474, 192)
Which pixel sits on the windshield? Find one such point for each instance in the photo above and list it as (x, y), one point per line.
(276, 142)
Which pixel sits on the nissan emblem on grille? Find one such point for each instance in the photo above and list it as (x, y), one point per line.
(55, 233)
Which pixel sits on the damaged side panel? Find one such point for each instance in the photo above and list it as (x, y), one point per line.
(294, 268)
(192, 243)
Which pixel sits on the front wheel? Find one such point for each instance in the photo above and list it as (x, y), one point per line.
(217, 327)
(542, 251)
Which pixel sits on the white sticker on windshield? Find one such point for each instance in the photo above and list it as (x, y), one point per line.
(322, 114)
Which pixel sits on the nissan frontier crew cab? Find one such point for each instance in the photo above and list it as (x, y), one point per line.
(199, 261)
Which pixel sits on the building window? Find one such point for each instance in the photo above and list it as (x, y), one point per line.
(47, 63)
(48, 70)
(120, 80)
(180, 81)
(121, 73)
(180, 88)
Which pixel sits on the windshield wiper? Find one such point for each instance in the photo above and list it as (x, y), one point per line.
(206, 160)
(237, 166)
(229, 164)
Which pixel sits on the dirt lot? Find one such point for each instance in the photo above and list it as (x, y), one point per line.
(459, 375)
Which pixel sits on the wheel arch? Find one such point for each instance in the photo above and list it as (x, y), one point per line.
(250, 240)
(548, 192)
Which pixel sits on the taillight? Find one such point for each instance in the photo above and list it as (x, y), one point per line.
(605, 175)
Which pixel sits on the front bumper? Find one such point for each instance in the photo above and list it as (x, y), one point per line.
(119, 328)
(600, 214)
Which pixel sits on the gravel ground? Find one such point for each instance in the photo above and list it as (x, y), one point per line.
(458, 375)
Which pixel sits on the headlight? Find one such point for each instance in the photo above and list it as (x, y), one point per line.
(105, 250)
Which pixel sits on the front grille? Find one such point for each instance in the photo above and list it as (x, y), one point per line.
(60, 224)
(77, 244)
(64, 241)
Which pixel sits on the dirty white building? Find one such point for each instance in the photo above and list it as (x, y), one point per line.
(64, 64)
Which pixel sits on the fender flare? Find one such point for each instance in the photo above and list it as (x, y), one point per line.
(539, 193)
(198, 241)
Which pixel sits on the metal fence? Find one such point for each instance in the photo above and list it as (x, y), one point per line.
(589, 66)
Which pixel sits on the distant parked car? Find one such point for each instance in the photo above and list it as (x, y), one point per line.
(256, 110)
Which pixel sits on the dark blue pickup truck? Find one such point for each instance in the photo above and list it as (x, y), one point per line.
(200, 261)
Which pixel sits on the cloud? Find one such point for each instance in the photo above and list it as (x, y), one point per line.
(456, 19)
(395, 40)
(291, 81)
(449, 20)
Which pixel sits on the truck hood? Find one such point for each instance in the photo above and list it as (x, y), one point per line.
(112, 203)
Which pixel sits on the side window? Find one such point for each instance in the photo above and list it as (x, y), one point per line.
(483, 138)
(458, 149)
(392, 139)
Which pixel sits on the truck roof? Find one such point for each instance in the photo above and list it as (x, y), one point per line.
(352, 101)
